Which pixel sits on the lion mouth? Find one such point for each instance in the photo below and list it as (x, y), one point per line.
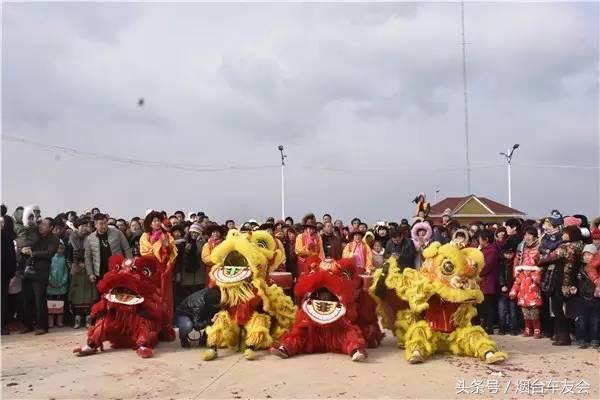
(122, 295)
(235, 269)
(323, 307)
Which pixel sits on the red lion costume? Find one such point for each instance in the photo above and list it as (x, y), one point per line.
(335, 315)
(131, 312)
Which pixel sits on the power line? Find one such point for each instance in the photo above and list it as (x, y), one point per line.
(131, 161)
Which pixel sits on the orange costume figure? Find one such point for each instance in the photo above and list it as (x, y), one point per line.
(360, 252)
(158, 242)
(215, 234)
(308, 243)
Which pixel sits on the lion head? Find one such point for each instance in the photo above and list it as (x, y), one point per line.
(453, 272)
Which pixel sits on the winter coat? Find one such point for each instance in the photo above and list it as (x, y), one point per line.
(415, 238)
(489, 275)
(378, 258)
(59, 276)
(9, 256)
(82, 292)
(405, 251)
(26, 234)
(528, 276)
(567, 259)
(189, 263)
(134, 243)
(332, 246)
(42, 252)
(197, 307)
(593, 270)
(505, 275)
(118, 245)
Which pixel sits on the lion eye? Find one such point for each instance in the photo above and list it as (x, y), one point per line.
(118, 267)
(447, 268)
(147, 272)
(262, 244)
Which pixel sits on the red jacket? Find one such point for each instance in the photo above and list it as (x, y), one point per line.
(593, 270)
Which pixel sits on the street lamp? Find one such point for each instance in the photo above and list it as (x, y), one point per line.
(283, 156)
(508, 156)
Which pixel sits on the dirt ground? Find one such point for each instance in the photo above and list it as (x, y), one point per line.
(43, 367)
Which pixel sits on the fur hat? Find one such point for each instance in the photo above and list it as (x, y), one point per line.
(196, 227)
(590, 248)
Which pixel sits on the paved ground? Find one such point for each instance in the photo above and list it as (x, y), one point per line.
(44, 368)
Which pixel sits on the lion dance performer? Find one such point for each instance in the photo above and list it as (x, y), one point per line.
(131, 312)
(441, 297)
(332, 317)
(253, 313)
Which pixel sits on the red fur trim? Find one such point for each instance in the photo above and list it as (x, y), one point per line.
(336, 284)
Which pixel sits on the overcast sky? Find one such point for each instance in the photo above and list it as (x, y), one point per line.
(362, 97)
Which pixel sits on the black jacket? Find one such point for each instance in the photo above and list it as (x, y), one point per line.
(332, 246)
(42, 252)
(198, 307)
(406, 252)
(9, 257)
(505, 274)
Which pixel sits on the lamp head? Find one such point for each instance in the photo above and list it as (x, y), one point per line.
(516, 146)
(280, 147)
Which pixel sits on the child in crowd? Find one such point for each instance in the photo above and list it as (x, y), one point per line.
(584, 307)
(460, 238)
(377, 252)
(508, 311)
(526, 287)
(58, 286)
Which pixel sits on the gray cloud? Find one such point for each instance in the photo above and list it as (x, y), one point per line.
(348, 88)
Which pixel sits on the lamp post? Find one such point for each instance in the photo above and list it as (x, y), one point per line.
(508, 156)
(283, 156)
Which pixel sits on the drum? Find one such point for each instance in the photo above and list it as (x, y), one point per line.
(367, 281)
(282, 279)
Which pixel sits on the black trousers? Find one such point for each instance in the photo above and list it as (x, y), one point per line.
(4, 300)
(487, 311)
(35, 304)
(561, 323)
(547, 320)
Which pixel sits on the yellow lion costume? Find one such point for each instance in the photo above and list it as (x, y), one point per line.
(441, 299)
(253, 313)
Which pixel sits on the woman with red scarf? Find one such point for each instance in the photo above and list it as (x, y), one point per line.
(308, 243)
(215, 234)
(158, 242)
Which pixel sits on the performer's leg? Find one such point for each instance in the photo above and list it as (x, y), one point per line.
(257, 334)
(404, 319)
(222, 333)
(474, 341)
(95, 337)
(146, 338)
(354, 343)
(291, 343)
(421, 342)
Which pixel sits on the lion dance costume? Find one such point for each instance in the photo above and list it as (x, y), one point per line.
(441, 299)
(332, 317)
(253, 313)
(131, 312)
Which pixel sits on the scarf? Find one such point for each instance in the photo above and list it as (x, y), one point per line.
(212, 243)
(359, 255)
(310, 243)
(156, 235)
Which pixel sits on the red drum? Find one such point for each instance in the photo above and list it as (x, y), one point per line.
(367, 281)
(282, 279)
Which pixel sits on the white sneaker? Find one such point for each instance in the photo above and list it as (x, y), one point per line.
(359, 356)
(77, 323)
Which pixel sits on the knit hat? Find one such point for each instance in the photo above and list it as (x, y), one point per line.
(596, 234)
(555, 218)
(590, 248)
(447, 213)
(196, 227)
(572, 221)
